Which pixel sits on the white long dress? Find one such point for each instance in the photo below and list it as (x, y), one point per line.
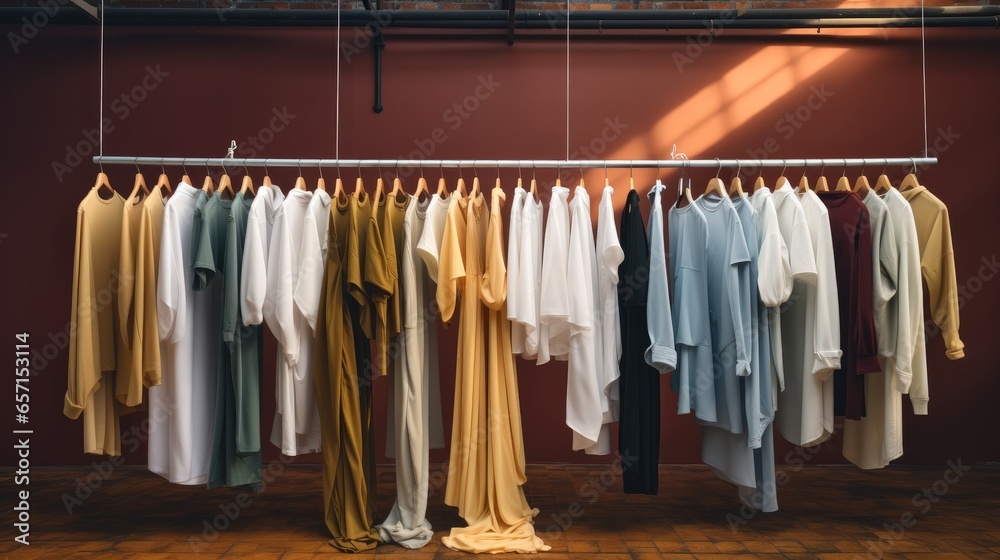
(584, 414)
(296, 429)
(609, 256)
(182, 407)
(810, 326)
(416, 396)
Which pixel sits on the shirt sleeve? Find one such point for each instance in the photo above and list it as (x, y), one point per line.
(865, 341)
(494, 288)
(802, 259)
(887, 276)
(278, 304)
(231, 322)
(938, 264)
(380, 280)
(253, 281)
(451, 266)
(774, 274)
(84, 344)
(171, 293)
(202, 251)
(311, 263)
(909, 310)
(826, 328)
(126, 279)
(738, 286)
(660, 354)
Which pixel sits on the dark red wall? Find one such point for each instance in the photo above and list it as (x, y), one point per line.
(729, 98)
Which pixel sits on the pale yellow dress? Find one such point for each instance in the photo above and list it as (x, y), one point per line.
(486, 471)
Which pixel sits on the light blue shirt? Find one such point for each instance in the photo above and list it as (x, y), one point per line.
(660, 354)
(692, 380)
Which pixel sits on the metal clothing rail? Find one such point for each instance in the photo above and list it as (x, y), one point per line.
(516, 163)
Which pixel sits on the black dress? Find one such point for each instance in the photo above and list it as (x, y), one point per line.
(639, 386)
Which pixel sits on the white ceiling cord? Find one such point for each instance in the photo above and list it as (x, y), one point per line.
(337, 144)
(567, 79)
(923, 69)
(100, 126)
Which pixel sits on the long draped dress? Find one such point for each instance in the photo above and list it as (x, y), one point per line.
(487, 468)
(338, 392)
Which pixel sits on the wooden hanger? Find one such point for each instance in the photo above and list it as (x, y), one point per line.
(359, 189)
(533, 188)
(844, 184)
(631, 179)
(821, 185)
(164, 184)
(460, 188)
(736, 186)
(910, 181)
(397, 190)
(338, 191)
(185, 178)
(781, 178)
(140, 183)
(422, 192)
(300, 183)
(475, 186)
(247, 186)
(267, 179)
(103, 182)
(379, 189)
(715, 184)
(442, 190)
(208, 186)
(581, 178)
(803, 182)
(226, 185)
(861, 186)
(321, 182)
(683, 190)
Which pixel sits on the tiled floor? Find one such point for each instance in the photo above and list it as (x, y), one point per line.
(826, 512)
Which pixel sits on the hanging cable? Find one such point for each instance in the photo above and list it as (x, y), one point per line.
(337, 145)
(100, 128)
(923, 69)
(567, 79)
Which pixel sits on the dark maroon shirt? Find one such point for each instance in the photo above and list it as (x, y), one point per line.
(852, 254)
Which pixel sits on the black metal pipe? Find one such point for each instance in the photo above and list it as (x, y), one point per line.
(984, 16)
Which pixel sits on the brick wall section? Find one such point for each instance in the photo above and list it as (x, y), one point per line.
(524, 4)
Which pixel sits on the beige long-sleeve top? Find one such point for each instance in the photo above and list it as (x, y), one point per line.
(97, 350)
(937, 262)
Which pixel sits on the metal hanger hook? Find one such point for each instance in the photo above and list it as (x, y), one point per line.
(739, 167)
(719, 170)
(914, 162)
(784, 166)
(135, 161)
(299, 165)
(844, 172)
(320, 167)
(885, 166)
(162, 170)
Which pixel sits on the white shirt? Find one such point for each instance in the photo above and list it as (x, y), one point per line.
(583, 384)
(536, 337)
(513, 271)
(429, 245)
(296, 428)
(774, 280)
(182, 407)
(264, 209)
(810, 327)
(555, 297)
(609, 256)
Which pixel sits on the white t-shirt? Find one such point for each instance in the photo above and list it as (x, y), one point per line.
(609, 256)
(264, 210)
(429, 245)
(182, 407)
(513, 271)
(529, 279)
(296, 429)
